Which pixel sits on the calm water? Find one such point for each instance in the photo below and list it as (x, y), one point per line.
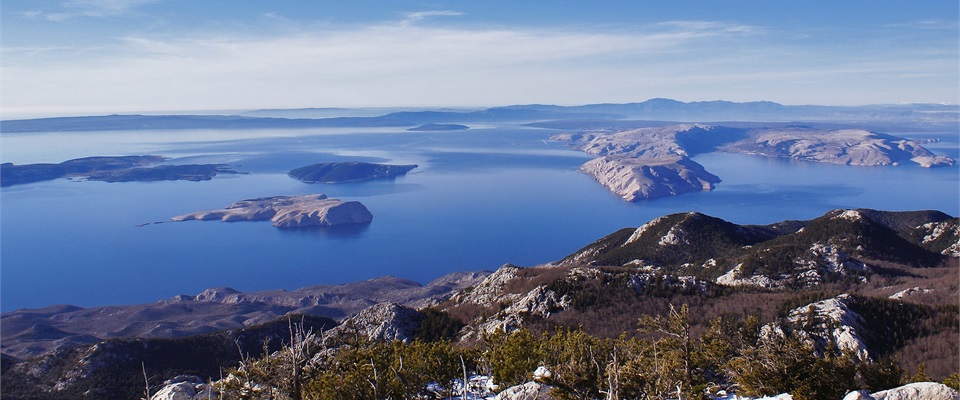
(481, 198)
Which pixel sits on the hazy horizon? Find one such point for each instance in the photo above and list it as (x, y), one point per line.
(87, 57)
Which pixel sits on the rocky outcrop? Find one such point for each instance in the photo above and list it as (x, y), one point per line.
(828, 321)
(287, 212)
(646, 178)
(910, 391)
(30, 332)
(383, 322)
(527, 391)
(341, 172)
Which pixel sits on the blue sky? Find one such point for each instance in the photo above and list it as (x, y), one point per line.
(73, 57)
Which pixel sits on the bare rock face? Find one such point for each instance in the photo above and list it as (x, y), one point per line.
(911, 391)
(383, 322)
(312, 210)
(835, 321)
(646, 178)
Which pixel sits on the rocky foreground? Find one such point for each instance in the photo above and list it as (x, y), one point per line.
(288, 212)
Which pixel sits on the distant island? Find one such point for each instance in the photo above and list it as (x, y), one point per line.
(439, 127)
(353, 171)
(633, 162)
(286, 212)
(110, 169)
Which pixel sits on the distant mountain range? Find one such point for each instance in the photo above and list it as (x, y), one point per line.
(654, 109)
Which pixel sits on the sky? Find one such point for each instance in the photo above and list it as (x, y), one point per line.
(92, 57)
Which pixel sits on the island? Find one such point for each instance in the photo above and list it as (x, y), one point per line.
(288, 212)
(351, 171)
(647, 177)
(651, 162)
(439, 128)
(110, 169)
(844, 146)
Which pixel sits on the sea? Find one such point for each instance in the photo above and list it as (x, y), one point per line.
(480, 198)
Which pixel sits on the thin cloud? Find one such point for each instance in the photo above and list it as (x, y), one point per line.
(400, 63)
(420, 15)
(87, 8)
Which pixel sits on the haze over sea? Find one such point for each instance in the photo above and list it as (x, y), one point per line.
(480, 198)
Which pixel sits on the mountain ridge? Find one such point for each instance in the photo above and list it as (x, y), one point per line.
(653, 109)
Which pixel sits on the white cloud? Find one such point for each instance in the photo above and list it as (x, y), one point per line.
(406, 64)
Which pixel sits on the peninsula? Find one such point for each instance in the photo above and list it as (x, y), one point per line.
(288, 212)
(110, 169)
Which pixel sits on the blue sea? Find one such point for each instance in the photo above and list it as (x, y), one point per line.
(479, 199)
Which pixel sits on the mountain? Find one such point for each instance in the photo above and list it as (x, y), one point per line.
(30, 332)
(653, 109)
(839, 245)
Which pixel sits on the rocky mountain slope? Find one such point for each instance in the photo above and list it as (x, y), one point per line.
(31, 332)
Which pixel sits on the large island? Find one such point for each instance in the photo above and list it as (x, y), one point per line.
(652, 162)
(110, 169)
(312, 210)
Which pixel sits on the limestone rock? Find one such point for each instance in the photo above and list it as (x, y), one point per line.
(912, 391)
(383, 322)
(834, 319)
(526, 391)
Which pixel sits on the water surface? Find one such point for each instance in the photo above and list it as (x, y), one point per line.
(481, 198)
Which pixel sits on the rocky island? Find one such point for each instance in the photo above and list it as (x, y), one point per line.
(845, 146)
(353, 171)
(432, 127)
(648, 177)
(652, 162)
(287, 212)
(110, 169)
